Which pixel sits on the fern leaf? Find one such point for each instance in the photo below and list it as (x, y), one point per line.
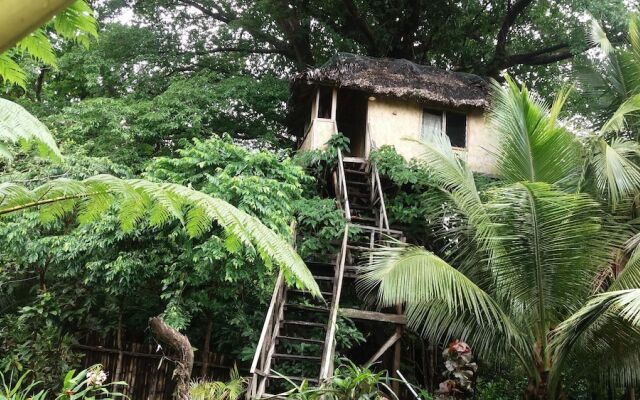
(18, 126)
(77, 23)
(38, 47)
(10, 72)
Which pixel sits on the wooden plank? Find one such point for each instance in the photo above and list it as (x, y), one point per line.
(375, 228)
(386, 346)
(343, 185)
(373, 316)
(327, 356)
(267, 322)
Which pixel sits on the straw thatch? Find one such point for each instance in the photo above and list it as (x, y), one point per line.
(400, 79)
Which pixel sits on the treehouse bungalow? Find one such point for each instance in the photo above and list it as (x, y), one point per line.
(376, 102)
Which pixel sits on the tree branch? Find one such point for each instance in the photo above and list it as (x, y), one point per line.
(356, 19)
(510, 18)
(219, 15)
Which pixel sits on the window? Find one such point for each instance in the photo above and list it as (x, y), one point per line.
(454, 124)
(325, 98)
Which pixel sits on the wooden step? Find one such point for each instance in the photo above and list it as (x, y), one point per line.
(323, 278)
(360, 218)
(293, 306)
(357, 183)
(297, 291)
(300, 339)
(354, 160)
(304, 323)
(296, 357)
(355, 171)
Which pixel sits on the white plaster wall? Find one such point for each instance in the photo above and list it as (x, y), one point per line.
(320, 133)
(392, 122)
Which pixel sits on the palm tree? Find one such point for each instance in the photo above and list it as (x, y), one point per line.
(526, 280)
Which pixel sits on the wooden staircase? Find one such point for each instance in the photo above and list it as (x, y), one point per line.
(298, 337)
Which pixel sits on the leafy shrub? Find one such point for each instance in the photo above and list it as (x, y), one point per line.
(88, 384)
(208, 390)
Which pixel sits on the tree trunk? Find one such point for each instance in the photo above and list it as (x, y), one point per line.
(538, 390)
(116, 376)
(181, 350)
(206, 347)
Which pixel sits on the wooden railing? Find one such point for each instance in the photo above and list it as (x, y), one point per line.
(341, 188)
(377, 197)
(261, 366)
(328, 353)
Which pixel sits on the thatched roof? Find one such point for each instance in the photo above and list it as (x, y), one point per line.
(400, 79)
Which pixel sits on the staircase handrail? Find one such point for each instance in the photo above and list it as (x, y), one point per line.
(342, 182)
(326, 368)
(269, 328)
(375, 182)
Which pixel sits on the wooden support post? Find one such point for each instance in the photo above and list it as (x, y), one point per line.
(386, 346)
(397, 351)
(334, 103)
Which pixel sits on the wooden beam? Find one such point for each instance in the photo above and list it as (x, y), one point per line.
(373, 316)
(386, 346)
(21, 17)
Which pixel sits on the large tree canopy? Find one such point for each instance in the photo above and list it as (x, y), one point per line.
(481, 36)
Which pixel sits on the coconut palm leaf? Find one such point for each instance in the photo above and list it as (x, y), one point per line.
(618, 121)
(417, 277)
(615, 173)
(18, 126)
(607, 328)
(553, 244)
(532, 146)
(138, 200)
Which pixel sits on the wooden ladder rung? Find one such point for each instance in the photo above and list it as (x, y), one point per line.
(306, 307)
(296, 357)
(300, 339)
(304, 323)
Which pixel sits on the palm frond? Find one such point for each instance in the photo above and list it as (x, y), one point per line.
(454, 178)
(417, 277)
(18, 126)
(615, 173)
(629, 278)
(553, 244)
(532, 146)
(607, 328)
(598, 37)
(618, 121)
(158, 203)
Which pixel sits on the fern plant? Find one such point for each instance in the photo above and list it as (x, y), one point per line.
(137, 201)
(76, 23)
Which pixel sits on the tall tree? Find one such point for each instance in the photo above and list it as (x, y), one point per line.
(482, 36)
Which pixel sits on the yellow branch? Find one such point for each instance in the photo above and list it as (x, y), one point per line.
(18, 18)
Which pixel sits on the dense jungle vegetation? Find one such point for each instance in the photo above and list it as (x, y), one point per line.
(160, 105)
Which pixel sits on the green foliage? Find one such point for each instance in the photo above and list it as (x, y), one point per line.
(207, 390)
(18, 126)
(534, 238)
(349, 382)
(76, 23)
(88, 384)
